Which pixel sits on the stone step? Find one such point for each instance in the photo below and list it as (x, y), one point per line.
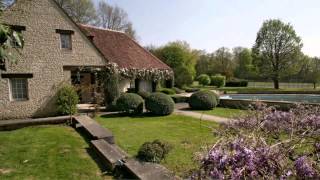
(94, 128)
(110, 153)
(146, 171)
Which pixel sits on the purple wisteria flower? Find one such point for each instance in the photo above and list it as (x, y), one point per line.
(304, 168)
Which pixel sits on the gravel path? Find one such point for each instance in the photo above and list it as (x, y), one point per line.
(183, 109)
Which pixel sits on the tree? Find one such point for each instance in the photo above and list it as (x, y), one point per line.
(81, 11)
(9, 39)
(181, 58)
(113, 17)
(243, 62)
(222, 63)
(314, 71)
(276, 49)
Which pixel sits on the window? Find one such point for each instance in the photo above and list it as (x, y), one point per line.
(66, 41)
(19, 89)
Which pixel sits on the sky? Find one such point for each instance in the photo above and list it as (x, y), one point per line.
(211, 24)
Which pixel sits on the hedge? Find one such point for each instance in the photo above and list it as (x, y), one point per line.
(160, 104)
(130, 103)
(203, 100)
(218, 81)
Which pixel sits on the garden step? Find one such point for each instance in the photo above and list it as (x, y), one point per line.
(146, 171)
(95, 129)
(110, 153)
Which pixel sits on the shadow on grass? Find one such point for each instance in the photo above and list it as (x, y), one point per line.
(146, 114)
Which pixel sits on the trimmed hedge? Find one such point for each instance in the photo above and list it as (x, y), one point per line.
(130, 103)
(218, 81)
(160, 104)
(204, 79)
(203, 100)
(67, 100)
(191, 90)
(167, 91)
(237, 83)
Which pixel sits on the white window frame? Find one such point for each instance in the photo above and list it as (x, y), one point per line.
(12, 98)
(64, 41)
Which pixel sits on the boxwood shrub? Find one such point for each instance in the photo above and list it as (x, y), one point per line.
(237, 83)
(67, 100)
(218, 81)
(204, 79)
(130, 103)
(180, 99)
(203, 100)
(160, 104)
(144, 94)
(154, 151)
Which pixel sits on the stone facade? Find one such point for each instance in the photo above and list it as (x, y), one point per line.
(43, 57)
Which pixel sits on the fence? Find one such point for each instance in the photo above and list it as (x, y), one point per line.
(282, 85)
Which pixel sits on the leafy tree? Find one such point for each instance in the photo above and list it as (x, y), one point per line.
(180, 57)
(203, 64)
(276, 49)
(113, 17)
(223, 63)
(81, 11)
(314, 71)
(8, 38)
(243, 60)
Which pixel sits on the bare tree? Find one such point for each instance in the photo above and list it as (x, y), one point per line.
(81, 11)
(115, 18)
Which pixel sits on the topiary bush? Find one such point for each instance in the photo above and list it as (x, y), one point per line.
(67, 100)
(130, 103)
(204, 79)
(218, 81)
(203, 100)
(167, 91)
(160, 104)
(144, 94)
(237, 83)
(154, 151)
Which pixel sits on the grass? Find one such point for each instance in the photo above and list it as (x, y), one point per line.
(224, 112)
(187, 135)
(46, 152)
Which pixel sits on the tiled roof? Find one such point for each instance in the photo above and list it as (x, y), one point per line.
(119, 48)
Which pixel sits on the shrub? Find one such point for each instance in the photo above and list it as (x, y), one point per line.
(67, 100)
(177, 90)
(180, 99)
(144, 94)
(190, 90)
(237, 83)
(218, 81)
(204, 79)
(130, 103)
(203, 100)
(160, 104)
(154, 151)
(167, 91)
(110, 80)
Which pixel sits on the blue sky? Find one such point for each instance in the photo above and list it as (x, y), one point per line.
(210, 24)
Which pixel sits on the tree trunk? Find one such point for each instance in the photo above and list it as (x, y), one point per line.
(314, 85)
(276, 83)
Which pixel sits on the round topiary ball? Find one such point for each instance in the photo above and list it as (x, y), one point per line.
(160, 104)
(130, 103)
(203, 100)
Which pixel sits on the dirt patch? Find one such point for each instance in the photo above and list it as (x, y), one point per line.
(5, 171)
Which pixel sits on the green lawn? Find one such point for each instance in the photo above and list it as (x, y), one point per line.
(46, 152)
(224, 112)
(187, 135)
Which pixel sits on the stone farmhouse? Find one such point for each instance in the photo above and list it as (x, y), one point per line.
(59, 51)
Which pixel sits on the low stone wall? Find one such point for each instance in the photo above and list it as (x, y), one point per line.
(245, 104)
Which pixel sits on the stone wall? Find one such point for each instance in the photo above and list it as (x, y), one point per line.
(43, 57)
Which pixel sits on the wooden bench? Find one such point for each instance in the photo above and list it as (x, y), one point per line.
(111, 154)
(95, 130)
(146, 171)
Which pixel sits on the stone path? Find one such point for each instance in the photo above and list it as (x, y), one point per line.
(183, 109)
